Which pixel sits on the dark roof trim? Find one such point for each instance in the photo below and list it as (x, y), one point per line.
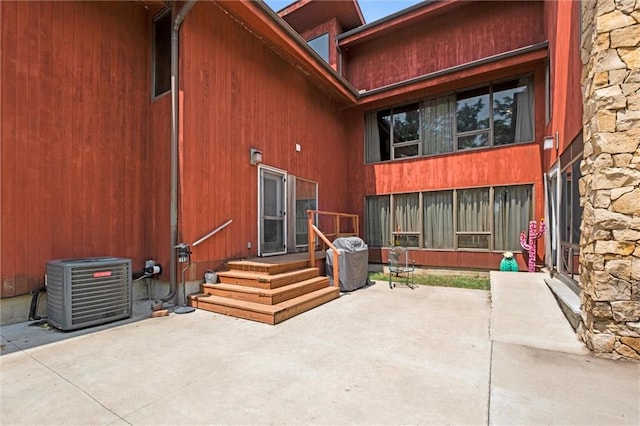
(457, 68)
(386, 19)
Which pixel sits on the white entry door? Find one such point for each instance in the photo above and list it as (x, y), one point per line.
(272, 211)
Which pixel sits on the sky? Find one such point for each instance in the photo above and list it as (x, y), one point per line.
(371, 9)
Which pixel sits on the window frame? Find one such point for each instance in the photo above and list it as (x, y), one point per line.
(154, 57)
(490, 130)
(394, 232)
(318, 37)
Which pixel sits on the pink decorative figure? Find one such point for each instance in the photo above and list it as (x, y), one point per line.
(531, 246)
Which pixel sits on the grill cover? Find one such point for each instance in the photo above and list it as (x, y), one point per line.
(353, 263)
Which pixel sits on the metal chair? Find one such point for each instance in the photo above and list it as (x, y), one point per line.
(401, 267)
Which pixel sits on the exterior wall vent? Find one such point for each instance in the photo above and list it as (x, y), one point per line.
(87, 292)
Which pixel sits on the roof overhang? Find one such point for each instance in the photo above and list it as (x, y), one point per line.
(303, 15)
(399, 20)
(284, 40)
(502, 62)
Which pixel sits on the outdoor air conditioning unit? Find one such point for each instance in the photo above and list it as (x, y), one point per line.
(86, 292)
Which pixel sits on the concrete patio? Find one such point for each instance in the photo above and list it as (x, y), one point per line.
(374, 356)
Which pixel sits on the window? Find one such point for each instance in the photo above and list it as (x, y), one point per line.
(406, 220)
(389, 142)
(548, 102)
(437, 125)
(512, 213)
(162, 54)
(489, 218)
(406, 134)
(472, 118)
(512, 112)
(493, 115)
(472, 229)
(321, 45)
(438, 220)
(377, 217)
(306, 199)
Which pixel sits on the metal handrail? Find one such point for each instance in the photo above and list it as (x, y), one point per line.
(313, 230)
(212, 233)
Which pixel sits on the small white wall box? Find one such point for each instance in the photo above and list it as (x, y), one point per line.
(86, 292)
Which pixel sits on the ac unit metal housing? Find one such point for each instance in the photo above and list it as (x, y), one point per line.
(86, 292)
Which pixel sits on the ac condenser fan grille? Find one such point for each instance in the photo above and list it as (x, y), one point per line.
(90, 291)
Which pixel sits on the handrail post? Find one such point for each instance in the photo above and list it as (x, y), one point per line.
(336, 277)
(313, 231)
(311, 238)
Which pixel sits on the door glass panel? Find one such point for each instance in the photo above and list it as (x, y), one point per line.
(272, 212)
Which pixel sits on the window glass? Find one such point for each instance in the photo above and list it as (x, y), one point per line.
(512, 212)
(321, 45)
(437, 125)
(472, 110)
(305, 200)
(512, 112)
(438, 220)
(377, 221)
(406, 123)
(473, 218)
(406, 220)
(383, 125)
(473, 141)
(162, 54)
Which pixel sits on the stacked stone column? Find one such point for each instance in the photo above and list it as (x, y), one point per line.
(610, 183)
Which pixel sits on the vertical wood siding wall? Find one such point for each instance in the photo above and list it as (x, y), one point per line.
(75, 96)
(563, 31)
(239, 94)
(472, 32)
(476, 31)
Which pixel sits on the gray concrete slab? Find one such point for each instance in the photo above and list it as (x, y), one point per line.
(533, 386)
(526, 313)
(374, 356)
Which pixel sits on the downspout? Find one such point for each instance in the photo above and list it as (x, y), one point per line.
(175, 33)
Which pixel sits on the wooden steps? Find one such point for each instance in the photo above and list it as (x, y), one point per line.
(266, 291)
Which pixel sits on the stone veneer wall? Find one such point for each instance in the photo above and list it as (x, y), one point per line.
(610, 186)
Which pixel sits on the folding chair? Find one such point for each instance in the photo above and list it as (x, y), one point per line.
(401, 267)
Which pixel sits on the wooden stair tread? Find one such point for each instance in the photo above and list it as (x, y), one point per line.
(267, 309)
(264, 291)
(268, 266)
(262, 277)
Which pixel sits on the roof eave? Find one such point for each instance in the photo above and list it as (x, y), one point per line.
(516, 57)
(396, 20)
(259, 17)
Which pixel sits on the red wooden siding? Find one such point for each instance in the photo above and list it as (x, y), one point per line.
(507, 165)
(75, 92)
(472, 32)
(239, 94)
(563, 31)
(157, 171)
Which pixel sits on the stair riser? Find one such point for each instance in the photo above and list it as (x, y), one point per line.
(298, 309)
(267, 299)
(268, 268)
(263, 317)
(236, 312)
(261, 282)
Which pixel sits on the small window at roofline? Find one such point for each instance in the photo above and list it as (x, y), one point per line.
(321, 45)
(162, 54)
